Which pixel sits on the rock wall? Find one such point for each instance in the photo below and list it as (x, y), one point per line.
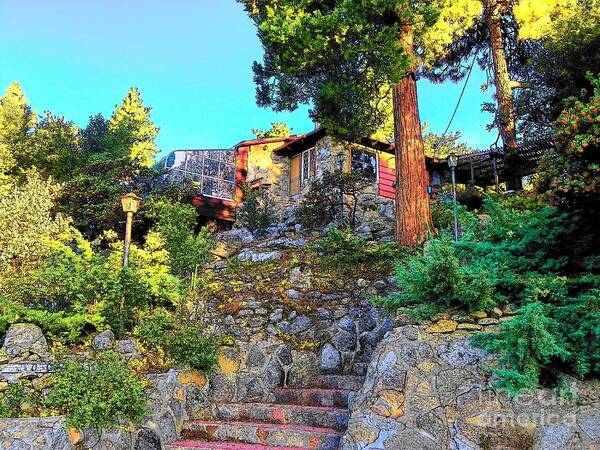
(427, 390)
(174, 398)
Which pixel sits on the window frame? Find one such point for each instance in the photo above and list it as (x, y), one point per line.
(198, 178)
(310, 155)
(372, 152)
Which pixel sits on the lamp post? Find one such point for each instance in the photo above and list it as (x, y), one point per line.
(494, 156)
(130, 203)
(452, 163)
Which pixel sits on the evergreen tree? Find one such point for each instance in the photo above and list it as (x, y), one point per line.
(118, 156)
(17, 121)
(278, 129)
(56, 150)
(132, 132)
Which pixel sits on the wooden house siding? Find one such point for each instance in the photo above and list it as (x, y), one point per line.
(387, 175)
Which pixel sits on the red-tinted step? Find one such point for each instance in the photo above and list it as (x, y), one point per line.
(283, 435)
(205, 445)
(313, 396)
(350, 382)
(315, 416)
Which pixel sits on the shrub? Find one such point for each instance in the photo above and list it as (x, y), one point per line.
(257, 212)
(341, 250)
(176, 222)
(438, 279)
(190, 347)
(152, 328)
(329, 197)
(99, 392)
(527, 343)
(27, 222)
(77, 291)
(13, 398)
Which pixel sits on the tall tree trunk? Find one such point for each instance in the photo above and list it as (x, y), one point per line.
(413, 216)
(493, 16)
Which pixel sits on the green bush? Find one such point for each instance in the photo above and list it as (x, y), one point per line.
(332, 198)
(176, 222)
(12, 398)
(76, 291)
(527, 343)
(438, 279)
(190, 347)
(257, 212)
(99, 392)
(341, 250)
(153, 327)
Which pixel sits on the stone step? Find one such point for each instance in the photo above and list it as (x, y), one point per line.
(211, 445)
(314, 416)
(313, 396)
(282, 435)
(350, 382)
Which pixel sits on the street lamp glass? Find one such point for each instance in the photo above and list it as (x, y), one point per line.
(130, 203)
(452, 160)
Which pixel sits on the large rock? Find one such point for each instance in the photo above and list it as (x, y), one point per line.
(250, 255)
(24, 339)
(430, 389)
(331, 360)
(103, 341)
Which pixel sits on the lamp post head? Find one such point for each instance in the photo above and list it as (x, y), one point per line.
(130, 202)
(452, 160)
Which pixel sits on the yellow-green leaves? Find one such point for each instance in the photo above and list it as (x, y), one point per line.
(131, 122)
(455, 17)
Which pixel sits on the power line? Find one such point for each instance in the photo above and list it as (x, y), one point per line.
(461, 95)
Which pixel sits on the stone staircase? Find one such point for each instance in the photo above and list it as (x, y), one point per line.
(312, 417)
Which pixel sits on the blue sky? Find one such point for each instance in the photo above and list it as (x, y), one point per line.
(191, 59)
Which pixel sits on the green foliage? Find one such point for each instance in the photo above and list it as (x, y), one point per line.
(278, 129)
(17, 121)
(258, 210)
(190, 347)
(439, 279)
(75, 290)
(332, 198)
(27, 222)
(98, 392)
(570, 176)
(338, 56)
(12, 399)
(527, 253)
(527, 343)
(152, 328)
(341, 250)
(176, 222)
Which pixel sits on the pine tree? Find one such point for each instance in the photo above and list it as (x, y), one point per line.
(132, 130)
(17, 121)
(117, 158)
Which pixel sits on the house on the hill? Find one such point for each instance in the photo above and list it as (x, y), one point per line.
(286, 166)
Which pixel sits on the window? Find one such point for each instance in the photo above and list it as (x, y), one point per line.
(365, 162)
(308, 164)
(211, 172)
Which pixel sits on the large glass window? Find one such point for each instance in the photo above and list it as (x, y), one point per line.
(212, 172)
(364, 162)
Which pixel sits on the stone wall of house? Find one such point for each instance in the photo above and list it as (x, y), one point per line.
(174, 397)
(428, 388)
